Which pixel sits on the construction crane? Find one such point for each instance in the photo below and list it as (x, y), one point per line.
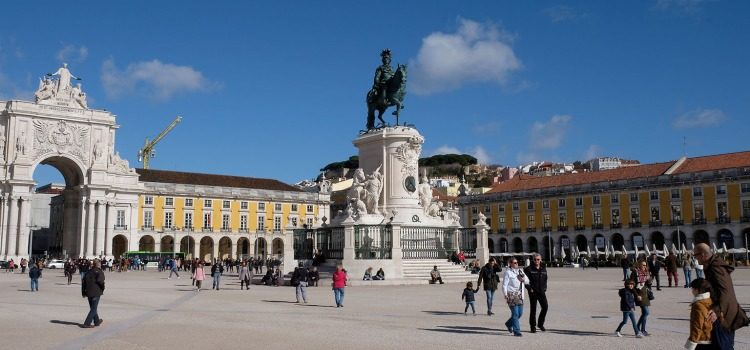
(147, 152)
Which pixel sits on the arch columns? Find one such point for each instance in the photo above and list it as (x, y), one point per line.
(12, 230)
(24, 226)
(101, 211)
(109, 228)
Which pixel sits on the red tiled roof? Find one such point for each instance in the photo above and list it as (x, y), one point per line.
(150, 175)
(715, 162)
(527, 182)
(437, 194)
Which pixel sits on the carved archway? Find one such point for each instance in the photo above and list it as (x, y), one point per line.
(119, 246)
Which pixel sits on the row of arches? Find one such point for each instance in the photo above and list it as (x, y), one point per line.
(722, 237)
(205, 248)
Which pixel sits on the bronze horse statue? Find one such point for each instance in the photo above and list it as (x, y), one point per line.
(394, 96)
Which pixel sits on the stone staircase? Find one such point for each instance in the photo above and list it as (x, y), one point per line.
(416, 271)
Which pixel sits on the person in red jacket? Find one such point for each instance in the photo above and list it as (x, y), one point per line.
(339, 283)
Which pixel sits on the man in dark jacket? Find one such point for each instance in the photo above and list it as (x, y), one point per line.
(654, 266)
(727, 311)
(92, 288)
(35, 273)
(537, 287)
(488, 275)
(301, 276)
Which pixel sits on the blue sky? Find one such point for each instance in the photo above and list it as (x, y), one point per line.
(276, 89)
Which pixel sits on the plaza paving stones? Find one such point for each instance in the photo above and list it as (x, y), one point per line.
(145, 310)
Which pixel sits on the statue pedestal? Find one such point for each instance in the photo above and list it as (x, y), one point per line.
(396, 151)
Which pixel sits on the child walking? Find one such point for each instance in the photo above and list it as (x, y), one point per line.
(628, 296)
(700, 322)
(468, 297)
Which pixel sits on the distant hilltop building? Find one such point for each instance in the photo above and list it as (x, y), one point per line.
(606, 163)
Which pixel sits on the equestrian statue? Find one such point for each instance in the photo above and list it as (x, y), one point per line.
(388, 89)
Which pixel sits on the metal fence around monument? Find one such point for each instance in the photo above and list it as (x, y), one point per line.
(303, 244)
(373, 242)
(426, 242)
(467, 241)
(330, 242)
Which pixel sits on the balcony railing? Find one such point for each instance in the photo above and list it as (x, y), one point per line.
(654, 223)
(147, 228)
(207, 229)
(635, 224)
(188, 228)
(745, 219)
(121, 227)
(676, 222)
(546, 228)
(562, 228)
(617, 225)
(516, 230)
(531, 229)
(724, 220)
(502, 231)
(579, 227)
(597, 227)
(244, 230)
(168, 228)
(701, 221)
(226, 229)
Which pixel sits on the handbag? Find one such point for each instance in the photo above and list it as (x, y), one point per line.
(650, 294)
(515, 298)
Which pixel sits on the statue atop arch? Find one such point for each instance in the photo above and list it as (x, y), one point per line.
(60, 91)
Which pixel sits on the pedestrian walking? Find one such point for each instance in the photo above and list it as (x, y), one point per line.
(246, 275)
(698, 268)
(35, 273)
(173, 269)
(489, 276)
(628, 298)
(687, 268)
(70, 270)
(642, 280)
(24, 264)
(92, 287)
(199, 274)
(513, 286)
(300, 276)
(468, 297)
(671, 267)
(654, 266)
(728, 314)
(536, 277)
(625, 265)
(700, 318)
(216, 271)
(338, 285)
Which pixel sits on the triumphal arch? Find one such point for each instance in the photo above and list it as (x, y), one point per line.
(59, 129)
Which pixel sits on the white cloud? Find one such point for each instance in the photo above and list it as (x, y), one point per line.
(72, 53)
(592, 152)
(162, 80)
(699, 118)
(477, 152)
(562, 13)
(476, 52)
(486, 129)
(549, 135)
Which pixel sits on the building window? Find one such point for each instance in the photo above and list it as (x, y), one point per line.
(531, 221)
(243, 222)
(277, 207)
(277, 223)
(654, 195)
(188, 202)
(501, 208)
(501, 222)
(225, 222)
(697, 191)
(168, 219)
(563, 220)
(261, 222)
(698, 211)
(597, 217)
(530, 205)
(545, 204)
(516, 222)
(633, 197)
(655, 214)
(243, 205)
(226, 204)
(515, 205)
(546, 219)
(207, 203)
(721, 190)
(295, 206)
(189, 220)
(675, 193)
(635, 215)
(309, 222)
(148, 218)
(561, 203)
(169, 201)
(615, 198)
(745, 187)
(579, 201)
(310, 208)
(579, 219)
(294, 221)
(474, 210)
(120, 222)
(721, 210)
(148, 200)
(676, 213)
(487, 209)
(207, 220)
(596, 200)
(746, 209)
(615, 216)
(261, 206)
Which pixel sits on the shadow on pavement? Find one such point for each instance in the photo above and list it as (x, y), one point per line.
(443, 313)
(578, 333)
(463, 330)
(673, 319)
(279, 301)
(315, 305)
(67, 323)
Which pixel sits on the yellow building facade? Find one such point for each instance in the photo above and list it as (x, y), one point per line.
(702, 199)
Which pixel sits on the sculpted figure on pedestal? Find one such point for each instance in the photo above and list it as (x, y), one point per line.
(373, 188)
(63, 84)
(46, 90)
(79, 96)
(388, 89)
(425, 193)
